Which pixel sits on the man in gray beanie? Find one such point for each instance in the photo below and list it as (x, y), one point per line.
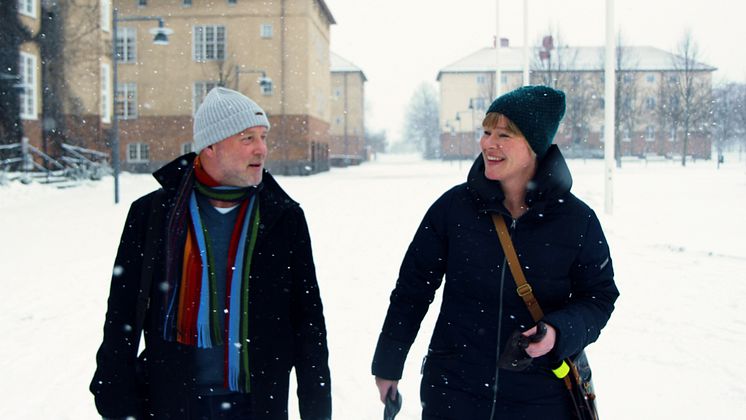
(216, 269)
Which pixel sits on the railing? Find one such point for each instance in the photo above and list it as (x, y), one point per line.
(74, 164)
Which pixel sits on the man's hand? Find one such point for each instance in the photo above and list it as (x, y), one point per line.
(543, 346)
(386, 387)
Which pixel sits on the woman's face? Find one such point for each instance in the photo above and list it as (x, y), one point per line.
(507, 155)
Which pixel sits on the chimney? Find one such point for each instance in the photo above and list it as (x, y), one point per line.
(504, 42)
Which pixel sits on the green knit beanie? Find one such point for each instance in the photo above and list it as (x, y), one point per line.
(536, 110)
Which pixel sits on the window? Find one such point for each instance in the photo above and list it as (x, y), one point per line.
(650, 133)
(186, 148)
(476, 103)
(142, 3)
(650, 102)
(186, 3)
(232, 1)
(672, 134)
(337, 92)
(126, 101)
(106, 15)
(503, 78)
(200, 91)
(481, 79)
(209, 42)
(138, 152)
(265, 30)
(27, 7)
(650, 78)
(105, 89)
(126, 45)
(27, 73)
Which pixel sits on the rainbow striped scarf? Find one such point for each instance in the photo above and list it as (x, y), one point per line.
(192, 307)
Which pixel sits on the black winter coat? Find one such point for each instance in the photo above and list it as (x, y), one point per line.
(287, 328)
(566, 260)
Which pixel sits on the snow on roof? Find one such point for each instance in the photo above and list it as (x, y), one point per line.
(570, 59)
(342, 65)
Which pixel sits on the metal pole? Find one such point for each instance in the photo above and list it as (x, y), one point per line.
(609, 102)
(498, 73)
(526, 80)
(460, 139)
(114, 116)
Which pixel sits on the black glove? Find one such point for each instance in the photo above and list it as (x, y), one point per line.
(514, 357)
(392, 407)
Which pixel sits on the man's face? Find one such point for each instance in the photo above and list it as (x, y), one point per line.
(239, 160)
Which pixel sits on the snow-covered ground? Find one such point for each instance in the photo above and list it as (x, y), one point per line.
(673, 348)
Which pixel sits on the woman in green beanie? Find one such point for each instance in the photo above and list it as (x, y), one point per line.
(487, 359)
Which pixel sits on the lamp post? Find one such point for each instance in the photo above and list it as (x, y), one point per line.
(263, 80)
(160, 38)
(460, 139)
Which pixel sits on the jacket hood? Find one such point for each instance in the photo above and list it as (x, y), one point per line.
(551, 181)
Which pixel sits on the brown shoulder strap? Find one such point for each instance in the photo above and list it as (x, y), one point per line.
(522, 287)
(527, 294)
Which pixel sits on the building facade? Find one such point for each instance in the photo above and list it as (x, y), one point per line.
(230, 43)
(347, 130)
(650, 105)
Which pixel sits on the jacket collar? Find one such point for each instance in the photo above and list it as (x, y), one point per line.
(551, 181)
(272, 198)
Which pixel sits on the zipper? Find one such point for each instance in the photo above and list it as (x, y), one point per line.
(499, 329)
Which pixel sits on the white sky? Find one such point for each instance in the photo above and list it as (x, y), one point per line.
(401, 43)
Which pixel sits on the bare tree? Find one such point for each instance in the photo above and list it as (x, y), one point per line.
(12, 35)
(740, 116)
(581, 88)
(554, 64)
(223, 71)
(692, 90)
(66, 49)
(549, 66)
(421, 127)
(627, 103)
(729, 114)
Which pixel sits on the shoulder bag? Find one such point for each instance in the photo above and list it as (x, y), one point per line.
(575, 372)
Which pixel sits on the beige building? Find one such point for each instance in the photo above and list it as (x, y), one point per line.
(347, 131)
(232, 43)
(649, 116)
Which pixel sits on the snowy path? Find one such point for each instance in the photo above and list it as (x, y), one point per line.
(671, 350)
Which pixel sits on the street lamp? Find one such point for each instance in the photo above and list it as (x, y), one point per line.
(263, 81)
(161, 34)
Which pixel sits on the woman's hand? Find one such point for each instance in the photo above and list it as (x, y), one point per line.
(386, 387)
(544, 346)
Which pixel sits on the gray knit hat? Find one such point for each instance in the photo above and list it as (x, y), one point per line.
(536, 110)
(224, 113)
